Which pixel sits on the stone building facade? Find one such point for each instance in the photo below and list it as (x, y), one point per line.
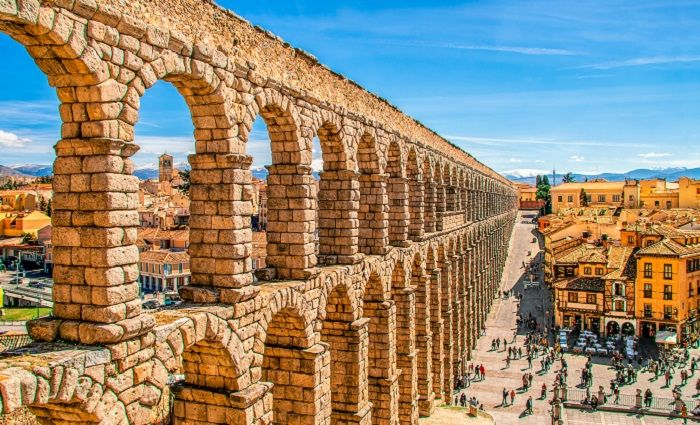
(370, 325)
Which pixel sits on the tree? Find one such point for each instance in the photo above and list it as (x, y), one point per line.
(184, 188)
(538, 180)
(48, 209)
(543, 193)
(583, 196)
(42, 203)
(568, 178)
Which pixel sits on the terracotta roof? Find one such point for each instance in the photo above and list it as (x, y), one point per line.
(571, 256)
(588, 185)
(164, 256)
(155, 233)
(621, 262)
(594, 255)
(592, 284)
(669, 248)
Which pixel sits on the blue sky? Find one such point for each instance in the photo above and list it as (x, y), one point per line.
(582, 86)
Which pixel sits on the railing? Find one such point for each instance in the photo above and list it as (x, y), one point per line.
(662, 404)
(10, 342)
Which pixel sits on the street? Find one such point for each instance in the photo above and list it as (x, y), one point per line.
(501, 324)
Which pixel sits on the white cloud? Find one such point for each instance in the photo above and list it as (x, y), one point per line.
(536, 51)
(493, 141)
(525, 172)
(577, 158)
(11, 140)
(654, 155)
(644, 61)
(317, 164)
(515, 160)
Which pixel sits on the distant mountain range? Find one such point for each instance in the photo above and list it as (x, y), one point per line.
(670, 174)
(522, 176)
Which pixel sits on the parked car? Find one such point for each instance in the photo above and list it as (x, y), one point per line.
(150, 305)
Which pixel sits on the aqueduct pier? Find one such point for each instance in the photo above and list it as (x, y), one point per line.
(368, 325)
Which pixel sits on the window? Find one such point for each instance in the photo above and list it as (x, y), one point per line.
(647, 270)
(619, 305)
(570, 198)
(619, 289)
(591, 298)
(656, 203)
(599, 271)
(630, 240)
(586, 270)
(697, 190)
(601, 198)
(569, 272)
(650, 242)
(616, 198)
(631, 198)
(668, 292)
(560, 198)
(647, 310)
(668, 204)
(647, 290)
(179, 268)
(668, 272)
(573, 297)
(668, 312)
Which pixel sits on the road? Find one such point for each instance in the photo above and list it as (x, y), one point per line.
(501, 324)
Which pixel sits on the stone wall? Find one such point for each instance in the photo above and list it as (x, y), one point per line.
(370, 326)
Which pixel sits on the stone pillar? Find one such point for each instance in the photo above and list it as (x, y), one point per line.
(251, 406)
(437, 330)
(399, 218)
(406, 355)
(451, 199)
(220, 232)
(338, 203)
(95, 222)
(415, 204)
(448, 344)
(457, 318)
(430, 215)
(349, 392)
(301, 381)
(440, 206)
(424, 344)
(291, 222)
(383, 376)
(373, 214)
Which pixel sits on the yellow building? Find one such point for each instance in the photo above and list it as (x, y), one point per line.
(688, 193)
(658, 194)
(668, 281)
(18, 224)
(17, 200)
(599, 194)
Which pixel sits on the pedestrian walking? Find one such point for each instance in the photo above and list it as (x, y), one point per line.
(483, 372)
(504, 402)
(528, 405)
(512, 396)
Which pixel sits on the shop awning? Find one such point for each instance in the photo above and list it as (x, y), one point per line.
(666, 338)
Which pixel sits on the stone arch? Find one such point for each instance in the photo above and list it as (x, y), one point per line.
(373, 212)
(347, 339)
(415, 195)
(450, 190)
(215, 367)
(399, 217)
(290, 189)
(446, 308)
(294, 366)
(338, 199)
(435, 320)
(403, 295)
(382, 374)
(420, 284)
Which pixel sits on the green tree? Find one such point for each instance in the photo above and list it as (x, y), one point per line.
(184, 188)
(48, 209)
(583, 197)
(42, 203)
(538, 181)
(543, 193)
(568, 178)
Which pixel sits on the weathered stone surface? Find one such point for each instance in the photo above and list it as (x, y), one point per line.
(375, 286)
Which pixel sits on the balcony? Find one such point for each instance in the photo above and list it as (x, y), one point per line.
(593, 308)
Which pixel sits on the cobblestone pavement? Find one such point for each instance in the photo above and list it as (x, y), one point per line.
(501, 324)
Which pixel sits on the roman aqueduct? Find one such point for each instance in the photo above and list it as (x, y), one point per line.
(369, 327)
